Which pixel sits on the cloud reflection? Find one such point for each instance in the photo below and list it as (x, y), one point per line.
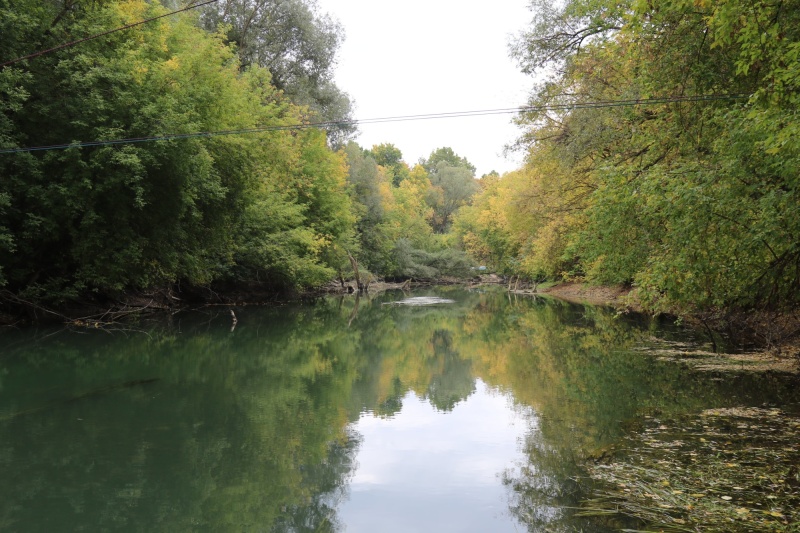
(440, 464)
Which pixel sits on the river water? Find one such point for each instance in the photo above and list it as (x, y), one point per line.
(469, 411)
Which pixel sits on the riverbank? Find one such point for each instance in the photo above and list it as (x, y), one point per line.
(615, 296)
(100, 310)
(764, 341)
(756, 341)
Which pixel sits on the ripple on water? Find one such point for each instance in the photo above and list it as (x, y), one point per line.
(422, 300)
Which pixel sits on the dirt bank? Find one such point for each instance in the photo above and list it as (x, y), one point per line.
(616, 295)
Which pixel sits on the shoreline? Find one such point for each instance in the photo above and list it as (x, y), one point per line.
(780, 352)
(576, 292)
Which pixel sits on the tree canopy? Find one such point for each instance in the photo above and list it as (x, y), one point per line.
(112, 217)
(399, 221)
(297, 44)
(683, 180)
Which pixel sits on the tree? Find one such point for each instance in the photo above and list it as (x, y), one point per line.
(297, 220)
(390, 158)
(413, 212)
(114, 217)
(298, 45)
(482, 227)
(452, 188)
(395, 238)
(371, 191)
(449, 157)
(452, 185)
(689, 200)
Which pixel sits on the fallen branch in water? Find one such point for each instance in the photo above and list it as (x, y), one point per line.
(102, 319)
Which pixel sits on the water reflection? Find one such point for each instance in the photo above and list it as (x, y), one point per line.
(318, 417)
(426, 470)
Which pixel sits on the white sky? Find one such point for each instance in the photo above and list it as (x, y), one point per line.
(416, 57)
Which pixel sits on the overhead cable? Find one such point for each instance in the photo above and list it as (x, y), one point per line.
(402, 118)
(83, 40)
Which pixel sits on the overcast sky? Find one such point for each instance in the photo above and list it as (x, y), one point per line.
(415, 57)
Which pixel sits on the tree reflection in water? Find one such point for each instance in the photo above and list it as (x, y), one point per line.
(194, 427)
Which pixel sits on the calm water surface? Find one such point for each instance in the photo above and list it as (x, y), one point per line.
(344, 415)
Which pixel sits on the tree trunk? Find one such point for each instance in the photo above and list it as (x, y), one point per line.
(354, 264)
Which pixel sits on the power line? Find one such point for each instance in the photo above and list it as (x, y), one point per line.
(403, 118)
(126, 27)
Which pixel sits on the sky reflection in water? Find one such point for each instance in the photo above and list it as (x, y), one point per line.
(427, 470)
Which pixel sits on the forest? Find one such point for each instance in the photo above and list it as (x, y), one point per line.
(224, 181)
(662, 152)
(211, 148)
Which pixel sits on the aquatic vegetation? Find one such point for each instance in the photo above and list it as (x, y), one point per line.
(728, 470)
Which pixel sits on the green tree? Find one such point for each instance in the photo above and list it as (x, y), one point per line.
(447, 156)
(298, 45)
(119, 216)
(452, 188)
(370, 189)
(395, 238)
(390, 158)
(690, 199)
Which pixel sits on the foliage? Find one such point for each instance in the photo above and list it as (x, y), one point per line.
(266, 207)
(521, 223)
(396, 223)
(413, 212)
(482, 227)
(370, 189)
(451, 188)
(447, 156)
(693, 198)
(277, 208)
(298, 46)
(391, 159)
(422, 264)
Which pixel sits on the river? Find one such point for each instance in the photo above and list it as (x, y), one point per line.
(472, 411)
